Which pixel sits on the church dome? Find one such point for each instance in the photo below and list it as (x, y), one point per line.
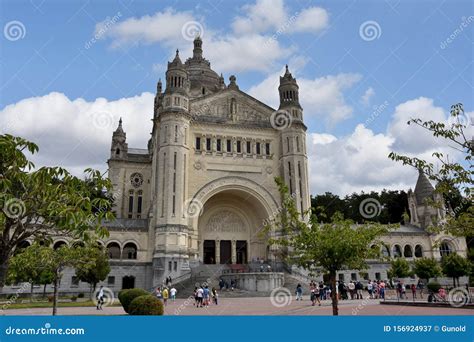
(203, 79)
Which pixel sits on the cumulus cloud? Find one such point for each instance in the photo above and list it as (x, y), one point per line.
(369, 93)
(77, 133)
(321, 97)
(312, 20)
(260, 17)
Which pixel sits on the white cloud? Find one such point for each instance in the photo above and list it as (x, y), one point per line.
(260, 17)
(369, 93)
(77, 133)
(321, 97)
(312, 20)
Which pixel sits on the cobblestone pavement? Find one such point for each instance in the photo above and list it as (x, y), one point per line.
(262, 306)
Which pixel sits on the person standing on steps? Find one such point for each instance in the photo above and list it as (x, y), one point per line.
(299, 292)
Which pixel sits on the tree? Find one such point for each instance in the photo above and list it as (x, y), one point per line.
(323, 247)
(451, 176)
(46, 201)
(399, 268)
(426, 268)
(27, 266)
(94, 268)
(455, 266)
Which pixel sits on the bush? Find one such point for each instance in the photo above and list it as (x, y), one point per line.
(80, 295)
(126, 297)
(146, 305)
(433, 286)
(73, 298)
(50, 298)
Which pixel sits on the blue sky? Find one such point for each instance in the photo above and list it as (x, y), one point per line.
(348, 77)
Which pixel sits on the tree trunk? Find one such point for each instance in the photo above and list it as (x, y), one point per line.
(55, 294)
(31, 292)
(454, 281)
(4, 258)
(44, 291)
(332, 279)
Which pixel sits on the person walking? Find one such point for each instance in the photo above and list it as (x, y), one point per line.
(351, 287)
(214, 295)
(413, 291)
(173, 292)
(199, 296)
(158, 293)
(421, 286)
(165, 295)
(370, 289)
(382, 289)
(299, 292)
(100, 298)
(206, 295)
(359, 288)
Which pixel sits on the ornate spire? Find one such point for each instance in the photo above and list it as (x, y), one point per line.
(197, 51)
(423, 188)
(119, 128)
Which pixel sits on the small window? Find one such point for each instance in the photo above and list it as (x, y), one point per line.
(378, 276)
(229, 145)
(288, 144)
(341, 276)
(175, 266)
(117, 151)
(74, 281)
(203, 91)
(418, 251)
(130, 204)
(170, 264)
(208, 144)
(397, 251)
(175, 133)
(249, 147)
(353, 276)
(111, 280)
(218, 145)
(139, 203)
(198, 143)
(267, 149)
(239, 146)
(258, 148)
(297, 143)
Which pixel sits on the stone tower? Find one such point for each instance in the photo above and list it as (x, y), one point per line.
(170, 164)
(119, 147)
(293, 158)
(426, 205)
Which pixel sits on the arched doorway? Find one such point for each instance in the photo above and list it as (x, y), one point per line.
(230, 228)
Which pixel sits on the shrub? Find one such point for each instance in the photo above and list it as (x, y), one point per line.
(80, 295)
(73, 298)
(433, 286)
(50, 298)
(126, 297)
(146, 305)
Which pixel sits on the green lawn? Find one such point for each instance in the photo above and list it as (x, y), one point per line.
(50, 305)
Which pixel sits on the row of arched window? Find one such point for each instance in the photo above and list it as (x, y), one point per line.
(398, 252)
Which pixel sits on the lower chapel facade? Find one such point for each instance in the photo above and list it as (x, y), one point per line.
(201, 190)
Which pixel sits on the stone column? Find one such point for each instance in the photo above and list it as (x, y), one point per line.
(234, 251)
(218, 251)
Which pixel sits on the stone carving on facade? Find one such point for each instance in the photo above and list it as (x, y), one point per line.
(225, 221)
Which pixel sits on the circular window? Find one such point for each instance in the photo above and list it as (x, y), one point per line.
(136, 179)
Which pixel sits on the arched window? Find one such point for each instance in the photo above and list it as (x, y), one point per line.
(397, 251)
(445, 249)
(385, 251)
(113, 249)
(407, 251)
(130, 251)
(22, 245)
(59, 244)
(77, 244)
(117, 151)
(418, 251)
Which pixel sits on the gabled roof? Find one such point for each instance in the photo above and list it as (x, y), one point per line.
(423, 188)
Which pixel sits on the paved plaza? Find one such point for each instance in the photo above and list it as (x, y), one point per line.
(262, 306)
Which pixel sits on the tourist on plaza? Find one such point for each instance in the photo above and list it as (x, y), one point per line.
(381, 287)
(173, 292)
(199, 296)
(322, 292)
(370, 289)
(214, 295)
(328, 292)
(299, 292)
(221, 284)
(232, 284)
(351, 287)
(195, 296)
(342, 290)
(100, 298)
(165, 294)
(158, 293)
(413, 291)
(206, 296)
(421, 286)
(359, 287)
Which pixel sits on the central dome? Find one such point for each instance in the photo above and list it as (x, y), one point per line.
(203, 79)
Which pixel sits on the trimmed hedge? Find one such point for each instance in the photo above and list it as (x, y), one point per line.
(146, 305)
(433, 286)
(127, 296)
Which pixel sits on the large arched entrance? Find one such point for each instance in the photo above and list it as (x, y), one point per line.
(229, 230)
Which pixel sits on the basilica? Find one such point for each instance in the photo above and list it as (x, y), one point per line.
(201, 190)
